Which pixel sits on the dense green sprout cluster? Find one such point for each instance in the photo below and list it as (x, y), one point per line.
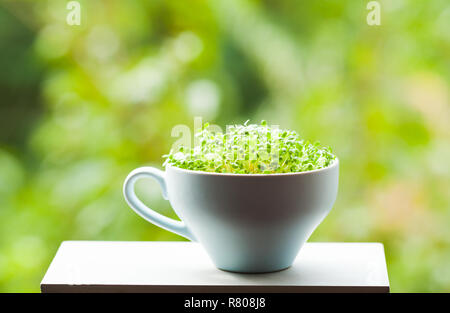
(251, 149)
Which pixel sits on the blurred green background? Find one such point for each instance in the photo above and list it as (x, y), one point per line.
(81, 106)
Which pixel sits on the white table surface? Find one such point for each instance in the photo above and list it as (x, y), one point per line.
(115, 266)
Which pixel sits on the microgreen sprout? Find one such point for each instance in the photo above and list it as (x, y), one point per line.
(251, 149)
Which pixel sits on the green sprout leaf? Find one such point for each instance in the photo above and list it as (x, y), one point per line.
(251, 149)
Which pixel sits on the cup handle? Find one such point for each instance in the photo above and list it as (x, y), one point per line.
(177, 227)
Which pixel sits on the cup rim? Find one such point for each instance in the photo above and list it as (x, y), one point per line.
(329, 167)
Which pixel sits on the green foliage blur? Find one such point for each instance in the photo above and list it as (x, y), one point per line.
(81, 106)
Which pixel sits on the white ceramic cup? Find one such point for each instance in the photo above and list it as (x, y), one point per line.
(246, 222)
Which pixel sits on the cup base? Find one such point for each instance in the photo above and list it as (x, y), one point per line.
(255, 272)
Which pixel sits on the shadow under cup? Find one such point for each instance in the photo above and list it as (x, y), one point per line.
(246, 223)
